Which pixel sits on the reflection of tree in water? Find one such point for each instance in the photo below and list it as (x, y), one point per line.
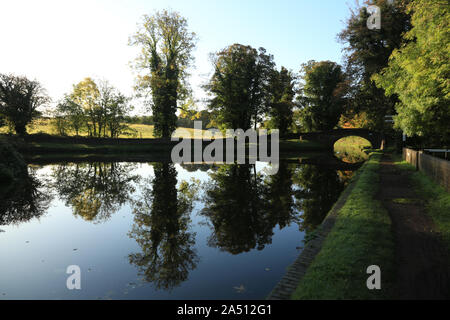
(278, 196)
(319, 189)
(234, 204)
(23, 200)
(162, 218)
(195, 167)
(95, 190)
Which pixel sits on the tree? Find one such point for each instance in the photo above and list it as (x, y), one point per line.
(69, 116)
(367, 52)
(100, 108)
(87, 95)
(240, 86)
(282, 100)
(418, 73)
(321, 95)
(20, 99)
(166, 55)
(115, 107)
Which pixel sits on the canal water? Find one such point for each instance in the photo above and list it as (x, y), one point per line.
(159, 230)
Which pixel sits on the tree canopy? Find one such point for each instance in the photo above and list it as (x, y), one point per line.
(99, 109)
(239, 87)
(20, 99)
(419, 72)
(321, 95)
(166, 54)
(367, 52)
(282, 100)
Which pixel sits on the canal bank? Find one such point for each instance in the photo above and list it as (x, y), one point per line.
(390, 216)
(355, 235)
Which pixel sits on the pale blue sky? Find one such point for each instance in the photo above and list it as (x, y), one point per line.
(61, 42)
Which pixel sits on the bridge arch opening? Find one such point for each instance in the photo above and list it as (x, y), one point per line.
(352, 149)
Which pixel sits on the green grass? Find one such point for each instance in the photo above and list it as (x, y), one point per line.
(361, 237)
(140, 130)
(352, 149)
(436, 198)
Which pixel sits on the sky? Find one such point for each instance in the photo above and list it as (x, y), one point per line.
(61, 42)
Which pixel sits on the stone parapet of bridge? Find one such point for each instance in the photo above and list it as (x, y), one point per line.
(329, 138)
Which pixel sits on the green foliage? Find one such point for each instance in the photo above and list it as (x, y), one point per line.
(321, 95)
(367, 52)
(240, 86)
(20, 99)
(114, 107)
(101, 110)
(69, 116)
(282, 100)
(419, 73)
(87, 95)
(165, 57)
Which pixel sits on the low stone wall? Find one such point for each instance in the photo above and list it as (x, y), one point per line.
(437, 169)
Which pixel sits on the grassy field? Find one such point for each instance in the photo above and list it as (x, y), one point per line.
(437, 199)
(138, 130)
(360, 238)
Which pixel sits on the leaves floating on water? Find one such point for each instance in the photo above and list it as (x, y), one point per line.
(239, 289)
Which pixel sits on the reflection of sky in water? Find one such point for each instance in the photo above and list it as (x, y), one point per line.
(35, 254)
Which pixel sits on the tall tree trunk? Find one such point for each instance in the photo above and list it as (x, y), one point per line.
(20, 129)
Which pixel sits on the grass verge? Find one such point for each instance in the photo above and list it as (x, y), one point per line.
(436, 198)
(361, 237)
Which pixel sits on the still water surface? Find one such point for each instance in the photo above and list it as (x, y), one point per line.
(159, 230)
